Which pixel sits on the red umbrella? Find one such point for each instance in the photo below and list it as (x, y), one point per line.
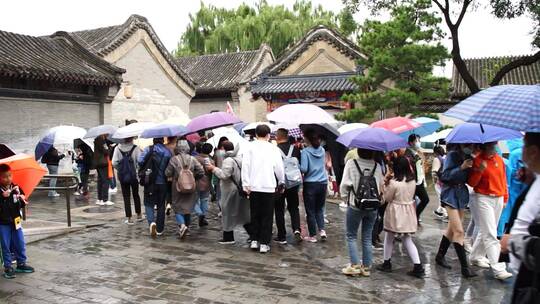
(397, 124)
(27, 173)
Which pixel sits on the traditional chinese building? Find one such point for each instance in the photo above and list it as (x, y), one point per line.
(155, 88)
(223, 78)
(317, 70)
(49, 81)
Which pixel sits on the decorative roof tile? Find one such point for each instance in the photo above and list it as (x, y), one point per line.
(339, 82)
(318, 33)
(104, 40)
(484, 69)
(56, 58)
(217, 73)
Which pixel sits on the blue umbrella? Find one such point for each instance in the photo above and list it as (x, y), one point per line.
(479, 133)
(164, 130)
(44, 145)
(239, 127)
(428, 126)
(377, 139)
(515, 107)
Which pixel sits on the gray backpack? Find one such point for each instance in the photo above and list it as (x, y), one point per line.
(293, 176)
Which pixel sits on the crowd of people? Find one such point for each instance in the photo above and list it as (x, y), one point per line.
(382, 191)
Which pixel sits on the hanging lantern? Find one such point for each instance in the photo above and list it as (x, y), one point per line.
(128, 90)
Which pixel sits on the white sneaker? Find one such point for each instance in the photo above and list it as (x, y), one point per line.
(343, 205)
(503, 275)
(480, 263)
(254, 245)
(323, 235)
(56, 194)
(326, 221)
(182, 231)
(264, 248)
(129, 221)
(113, 191)
(153, 229)
(77, 193)
(108, 203)
(100, 202)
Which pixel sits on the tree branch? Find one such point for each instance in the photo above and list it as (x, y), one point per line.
(466, 4)
(527, 60)
(445, 10)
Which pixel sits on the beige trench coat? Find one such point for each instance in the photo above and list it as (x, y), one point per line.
(400, 214)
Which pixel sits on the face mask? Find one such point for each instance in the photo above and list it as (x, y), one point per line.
(417, 145)
(467, 151)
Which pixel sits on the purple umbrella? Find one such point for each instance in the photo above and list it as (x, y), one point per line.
(377, 139)
(164, 130)
(474, 133)
(211, 121)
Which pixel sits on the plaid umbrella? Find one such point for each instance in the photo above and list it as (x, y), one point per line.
(508, 106)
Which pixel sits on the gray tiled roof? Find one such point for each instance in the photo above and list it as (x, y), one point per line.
(484, 69)
(217, 73)
(104, 40)
(56, 58)
(320, 32)
(339, 82)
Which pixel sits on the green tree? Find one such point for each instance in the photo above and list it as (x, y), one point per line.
(453, 13)
(218, 30)
(401, 54)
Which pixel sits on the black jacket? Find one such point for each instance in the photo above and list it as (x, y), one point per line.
(51, 157)
(10, 207)
(101, 153)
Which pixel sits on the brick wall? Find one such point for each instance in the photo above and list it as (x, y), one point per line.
(24, 120)
(156, 97)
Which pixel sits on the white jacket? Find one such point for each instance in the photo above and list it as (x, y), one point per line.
(261, 166)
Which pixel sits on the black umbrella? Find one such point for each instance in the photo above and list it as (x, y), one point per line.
(330, 133)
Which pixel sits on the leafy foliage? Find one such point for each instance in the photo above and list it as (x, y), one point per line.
(219, 30)
(401, 54)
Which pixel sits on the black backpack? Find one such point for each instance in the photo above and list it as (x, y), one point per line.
(126, 168)
(367, 196)
(149, 170)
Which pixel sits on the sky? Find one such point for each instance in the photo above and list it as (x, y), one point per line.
(481, 35)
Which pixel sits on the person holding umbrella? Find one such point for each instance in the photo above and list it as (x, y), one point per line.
(152, 163)
(416, 159)
(455, 197)
(312, 164)
(488, 178)
(101, 164)
(124, 160)
(52, 159)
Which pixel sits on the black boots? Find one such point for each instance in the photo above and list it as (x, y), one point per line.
(465, 270)
(386, 266)
(202, 221)
(443, 248)
(418, 271)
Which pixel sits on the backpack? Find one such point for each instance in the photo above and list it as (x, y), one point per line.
(186, 180)
(293, 176)
(440, 171)
(126, 168)
(238, 184)
(368, 196)
(149, 170)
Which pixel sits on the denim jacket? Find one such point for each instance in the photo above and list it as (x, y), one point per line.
(454, 179)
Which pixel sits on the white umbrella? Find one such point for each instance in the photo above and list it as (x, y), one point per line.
(64, 135)
(300, 114)
(436, 136)
(352, 126)
(132, 130)
(100, 130)
(231, 134)
(253, 125)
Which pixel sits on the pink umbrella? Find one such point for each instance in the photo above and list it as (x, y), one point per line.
(211, 121)
(397, 124)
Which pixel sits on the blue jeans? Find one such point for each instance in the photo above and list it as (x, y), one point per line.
(12, 239)
(183, 219)
(314, 200)
(201, 207)
(355, 218)
(53, 169)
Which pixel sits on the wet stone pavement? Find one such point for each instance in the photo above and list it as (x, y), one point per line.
(116, 263)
